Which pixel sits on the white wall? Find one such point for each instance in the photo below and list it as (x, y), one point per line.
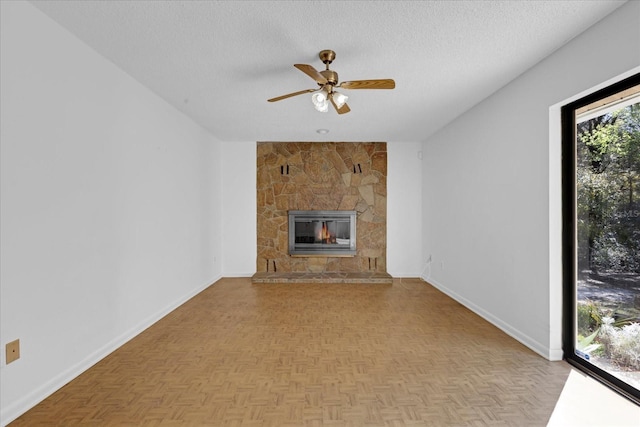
(108, 218)
(240, 207)
(489, 223)
(404, 209)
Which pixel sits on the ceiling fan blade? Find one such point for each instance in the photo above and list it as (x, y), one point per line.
(311, 72)
(369, 84)
(342, 110)
(289, 95)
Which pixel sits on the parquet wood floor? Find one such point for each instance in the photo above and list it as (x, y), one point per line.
(242, 354)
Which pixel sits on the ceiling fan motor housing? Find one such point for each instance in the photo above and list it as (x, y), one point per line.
(331, 76)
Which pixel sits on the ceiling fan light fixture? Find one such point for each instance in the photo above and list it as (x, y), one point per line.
(327, 81)
(323, 108)
(339, 98)
(320, 101)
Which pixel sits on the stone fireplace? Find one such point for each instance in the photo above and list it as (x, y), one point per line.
(333, 178)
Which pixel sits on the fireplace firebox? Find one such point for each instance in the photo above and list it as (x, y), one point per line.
(322, 233)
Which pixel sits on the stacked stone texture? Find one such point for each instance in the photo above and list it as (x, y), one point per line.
(321, 176)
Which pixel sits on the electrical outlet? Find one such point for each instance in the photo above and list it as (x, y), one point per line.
(13, 351)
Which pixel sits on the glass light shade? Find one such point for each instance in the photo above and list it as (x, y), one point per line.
(339, 99)
(323, 108)
(320, 101)
(318, 98)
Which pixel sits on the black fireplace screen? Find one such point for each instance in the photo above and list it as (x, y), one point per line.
(322, 233)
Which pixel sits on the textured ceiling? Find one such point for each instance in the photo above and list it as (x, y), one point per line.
(219, 61)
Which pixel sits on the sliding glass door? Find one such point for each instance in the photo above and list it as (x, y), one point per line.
(601, 242)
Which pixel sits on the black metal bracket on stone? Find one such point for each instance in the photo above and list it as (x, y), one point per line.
(284, 170)
(357, 168)
(275, 268)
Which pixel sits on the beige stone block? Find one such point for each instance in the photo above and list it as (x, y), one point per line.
(263, 149)
(364, 264)
(316, 264)
(369, 179)
(283, 243)
(271, 159)
(349, 264)
(366, 216)
(380, 146)
(304, 199)
(269, 199)
(295, 160)
(305, 146)
(345, 151)
(325, 202)
(289, 188)
(264, 243)
(380, 206)
(274, 174)
(366, 191)
(271, 253)
(282, 202)
(282, 265)
(365, 168)
(348, 203)
(263, 178)
(298, 265)
(362, 206)
(337, 161)
(381, 187)
(281, 220)
(333, 178)
(300, 180)
(270, 229)
(268, 253)
(346, 178)
(377, 238)
(265, 198)
(313, 171)
(281, 160)
(360, 156)
(283, 149)
(278, 187)
(379, 162)
(260, 198)
(372, 253)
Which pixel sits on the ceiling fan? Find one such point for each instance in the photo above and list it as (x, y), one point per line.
(327, 81)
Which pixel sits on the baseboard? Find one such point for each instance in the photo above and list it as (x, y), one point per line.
(238, 275)
(514, 333)
(13, 411)
(404, 275)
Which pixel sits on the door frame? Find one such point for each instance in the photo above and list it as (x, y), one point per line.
(569, 238)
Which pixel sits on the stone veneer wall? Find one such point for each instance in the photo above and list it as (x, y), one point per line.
(322, 176)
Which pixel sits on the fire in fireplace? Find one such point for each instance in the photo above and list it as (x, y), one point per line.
(322, 233)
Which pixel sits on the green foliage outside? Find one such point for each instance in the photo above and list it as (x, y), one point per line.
(608, 233)
(608, 192)
(611, 334)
